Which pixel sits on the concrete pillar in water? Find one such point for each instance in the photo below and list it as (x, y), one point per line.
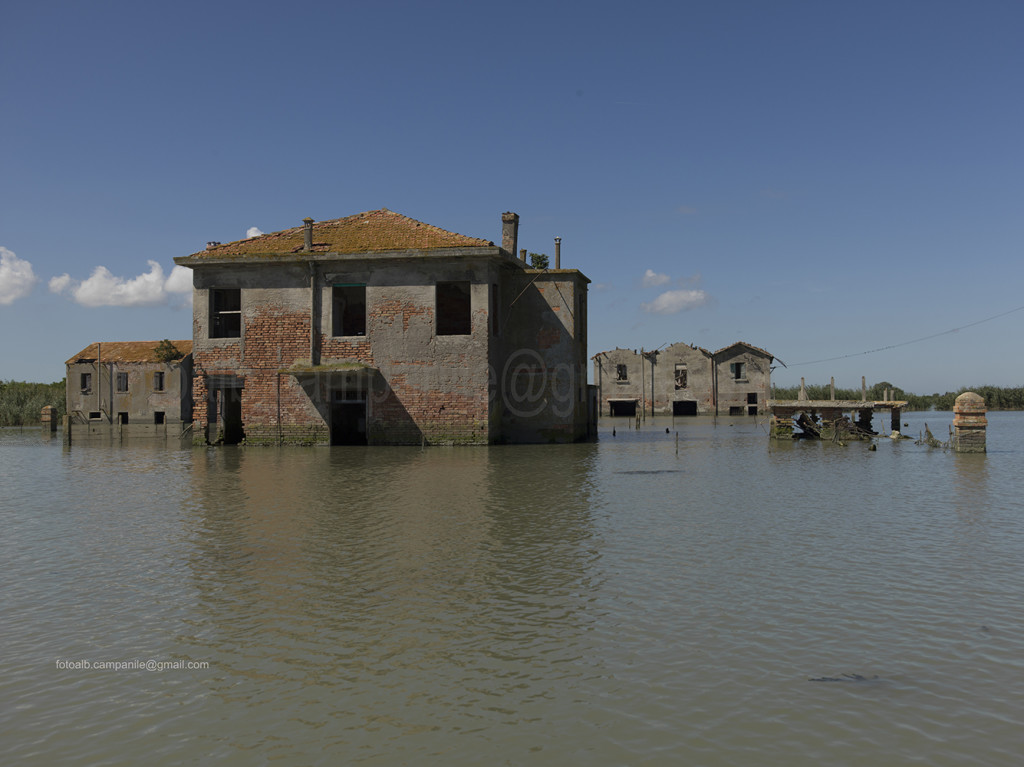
(48, 419)
(969, 423)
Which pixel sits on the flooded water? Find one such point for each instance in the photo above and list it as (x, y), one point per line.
(629, 602)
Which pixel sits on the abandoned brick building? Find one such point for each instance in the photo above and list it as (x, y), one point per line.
(128, 388)
(683, 379)
(380, 329)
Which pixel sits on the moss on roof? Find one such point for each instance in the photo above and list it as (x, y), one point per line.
(374, 231)
(126, 351)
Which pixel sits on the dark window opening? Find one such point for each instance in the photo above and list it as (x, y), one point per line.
(681, 376)
(752, 398)
(95, 415)
(752, 410)
(158, 417)
(86, 382)
(735, 410)
(349, 310)
(225, 313)
(738, 371)
(454, 315)
(158, 381)
(621, 373)
(122, 382)
(122, 418)
(622, 408)
(684, 407)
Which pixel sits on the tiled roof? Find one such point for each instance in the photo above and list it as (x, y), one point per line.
(375, 231)
(126, 351)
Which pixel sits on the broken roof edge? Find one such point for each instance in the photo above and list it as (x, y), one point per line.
(753, 348)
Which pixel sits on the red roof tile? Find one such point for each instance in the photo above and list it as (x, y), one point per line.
(375, 231)
(126, 351)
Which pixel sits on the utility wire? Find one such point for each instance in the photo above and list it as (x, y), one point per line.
(908, 343)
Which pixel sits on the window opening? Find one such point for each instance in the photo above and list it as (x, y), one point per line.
(122, 382)
(349, 310)
(85, 381)
(225, 313)
(158, 381)
(621, 373)
(95, 415)
(158, 417)
(453, 309)
(122, 417)
(738, 371)
(681, 375)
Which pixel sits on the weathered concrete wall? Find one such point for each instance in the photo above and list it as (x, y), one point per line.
(543, 374)
(141, 402)
(746, 393)
(427, 387)
(694, 384)
(615, 382)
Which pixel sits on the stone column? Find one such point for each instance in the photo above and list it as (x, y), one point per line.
(969, 423)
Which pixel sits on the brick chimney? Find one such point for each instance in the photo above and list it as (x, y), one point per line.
(510, 232)
(307, 234)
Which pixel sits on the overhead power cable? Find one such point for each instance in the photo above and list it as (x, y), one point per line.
(908, 343)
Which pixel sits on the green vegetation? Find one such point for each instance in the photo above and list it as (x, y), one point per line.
(996, 397)
(539, 260)
(168, 352)
(21, 403)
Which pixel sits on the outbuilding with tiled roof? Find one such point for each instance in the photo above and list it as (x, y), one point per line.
(130, 389)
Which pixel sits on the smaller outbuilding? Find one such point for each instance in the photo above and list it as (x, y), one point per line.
(130, 388)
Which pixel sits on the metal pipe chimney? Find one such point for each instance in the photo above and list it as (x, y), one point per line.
(558, 253)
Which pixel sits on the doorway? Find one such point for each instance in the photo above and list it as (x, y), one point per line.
(231, 413)
(348, 420)
(684, 407)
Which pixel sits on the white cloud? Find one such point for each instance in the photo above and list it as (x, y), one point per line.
(60, 284)
(16, 277)
(675, 301)
(652, 279)
(180, 280)
(251, 232)
(104, 289)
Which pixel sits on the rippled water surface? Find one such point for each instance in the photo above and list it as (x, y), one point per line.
(634, 601)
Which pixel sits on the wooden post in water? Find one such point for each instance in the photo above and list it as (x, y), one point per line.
(969, 423)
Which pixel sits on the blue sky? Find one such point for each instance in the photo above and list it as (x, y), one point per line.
(820, 179)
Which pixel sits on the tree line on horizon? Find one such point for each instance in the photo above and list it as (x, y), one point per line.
(996, 397)
(21, 403)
